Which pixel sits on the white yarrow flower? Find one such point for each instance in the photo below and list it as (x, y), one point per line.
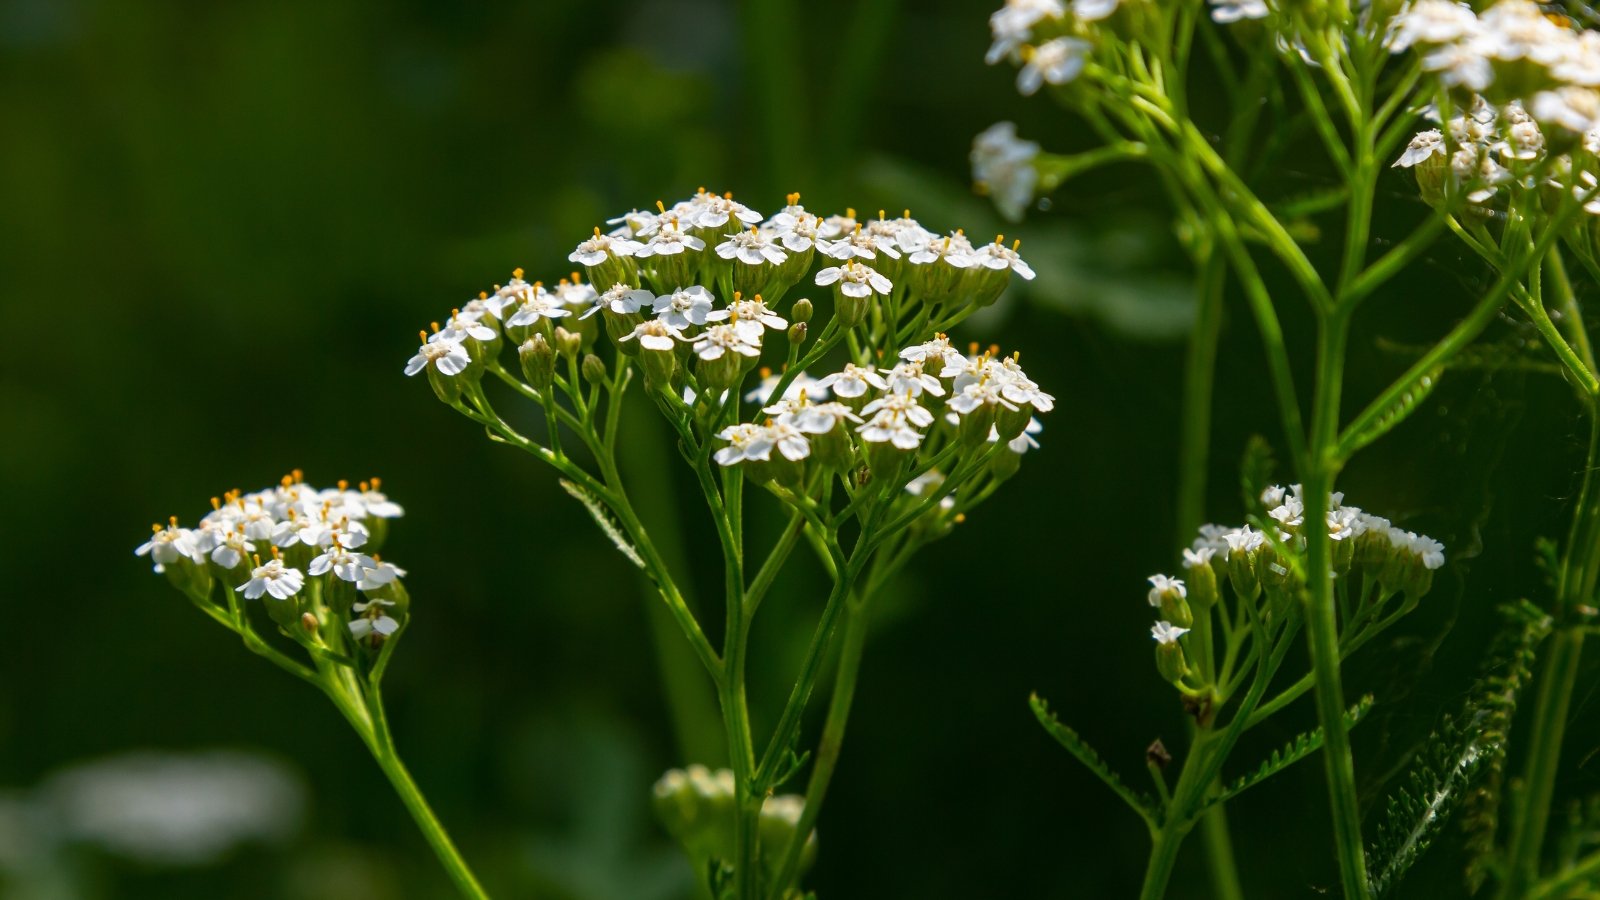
(1056, 61)
(272, 578)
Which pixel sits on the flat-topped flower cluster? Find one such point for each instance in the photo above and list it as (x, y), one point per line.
(268, 543)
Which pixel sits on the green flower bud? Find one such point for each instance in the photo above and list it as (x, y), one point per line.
(719, 374)
(1242, 572)
(1172, 597)
(974, 426)
(797, 333)
(1170, 661)
(832, 449)
(567, 343)
(538, 362)
(1005, 464)
(801, 311)
(1201, 578)
(593, 369)
(1012, 422)
(447, 387)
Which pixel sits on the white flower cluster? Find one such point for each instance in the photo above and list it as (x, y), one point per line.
(1511, 51)
(1002, 167)
(1285, 506)
(1489, 149)
(707, 272)
(896, 407)
(264, 536)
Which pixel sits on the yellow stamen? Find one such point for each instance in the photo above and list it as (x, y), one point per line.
(517, 272)
(793, 198)
(216, 503)
(423, 335)
(1016, 244)
(661, 207)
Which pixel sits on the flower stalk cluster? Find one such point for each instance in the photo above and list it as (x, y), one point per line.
(874, 434)
(310, 558)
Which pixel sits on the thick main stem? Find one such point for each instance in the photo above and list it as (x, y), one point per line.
(1322, 629)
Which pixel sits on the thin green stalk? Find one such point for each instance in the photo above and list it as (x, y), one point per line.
(832, 741)
(367, 718)
(1558, 679)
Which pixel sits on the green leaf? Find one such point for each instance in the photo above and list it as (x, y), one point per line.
(1255, 473)
(603, 519)
(1396, 413)
(1301, 747)
(1141, 803)
(1460, 764)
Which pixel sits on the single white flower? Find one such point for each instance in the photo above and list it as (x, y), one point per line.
(576, 292)
(853, 381)
(1163, 585)
(1428, 550)
(684, 307)
(752, 247)
(1056, 61)
(1433, 22)
(750, 317)
(1576, 109)
(536, 305)
(896, 419)
(1460, 65)
(860, 244)
(233, 550)
(638, 222)
(377, 502)
(953, 249)
(936, 350)
(601, 247)
(1167, 633)
(803, 385)
(379, 574)
(1012, 25)
(448, 356)
(372, 619)
(344, 564)
(1425, 144)
(1002, 166)
(670, 240)
(1226, 12)
(855, 279)
(1093, 10)
(272, 578)
(168, 545)
(719, 339)
(746, 441)
(811, 418)
(709, 210)
(908, 377)
(656, 334)
(622, 299)
(998, 256)
(1196, 557)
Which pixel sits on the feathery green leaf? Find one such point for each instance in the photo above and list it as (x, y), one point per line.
(1141, 803)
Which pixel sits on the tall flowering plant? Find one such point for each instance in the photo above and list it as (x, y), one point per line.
(873, 436)
(1494, 108)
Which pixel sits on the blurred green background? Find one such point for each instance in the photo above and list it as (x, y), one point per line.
(224, 224)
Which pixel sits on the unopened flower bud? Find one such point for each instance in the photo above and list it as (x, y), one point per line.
(801, 311)
(309, 622)
(1005, 464)
(797, 333)
(1242, 573)
(1010, 422)
(1201, 578)
(568, 343)
(593, 369)
(538, 362)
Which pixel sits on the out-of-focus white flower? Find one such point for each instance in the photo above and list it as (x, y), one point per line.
(170, 544)
(1167, 633)
(802, 385)
(1002, 165)
(1056, 61)
(1012, 25)
(746, 441)
(1226, 12)
(1431, 22)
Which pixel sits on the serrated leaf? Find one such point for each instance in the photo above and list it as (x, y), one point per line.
(1255, 473)
(603, 519)
(1066, 737)
(1301, 747)
(1396, 412)
(1465, 751)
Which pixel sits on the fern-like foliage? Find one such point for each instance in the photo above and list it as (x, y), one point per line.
(1460, 765)
(1397, 411)
(603, 519)
(1142, 804)
(1512, 660)
(1301, 747)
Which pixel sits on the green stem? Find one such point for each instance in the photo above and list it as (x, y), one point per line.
(832, 741)
(366, 717)
(1558, 679)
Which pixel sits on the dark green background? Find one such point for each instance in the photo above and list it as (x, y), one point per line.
(223, 224)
